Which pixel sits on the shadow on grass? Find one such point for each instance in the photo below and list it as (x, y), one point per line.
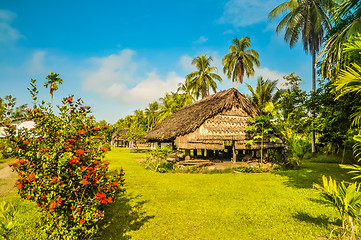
(321, 221)
(311, 173)
(125, 215)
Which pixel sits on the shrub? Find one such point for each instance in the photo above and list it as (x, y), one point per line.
(61, 168)
(156, 160)
(107, 146)
(7, 215)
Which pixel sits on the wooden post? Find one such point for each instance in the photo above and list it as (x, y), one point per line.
(210, 154)
(187, 154)
(216, 153)
(234, 154)
(195, 153)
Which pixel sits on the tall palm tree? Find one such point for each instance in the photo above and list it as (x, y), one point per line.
(52, 80)
(347, 19)
(310, 19)
(240, 60)
(186, 88)
(266, 92)
(202, 80)
(151, 113)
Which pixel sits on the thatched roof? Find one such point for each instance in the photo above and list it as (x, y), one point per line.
(120, 132)
(192, 116)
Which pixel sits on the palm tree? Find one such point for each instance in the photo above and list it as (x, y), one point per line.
(240, 60)
(151, 113)
(52, 81)
(202, 80)
(347, 18)
(266, 92)
(310, 19)
(186, 88)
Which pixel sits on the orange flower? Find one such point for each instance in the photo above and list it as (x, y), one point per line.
(81, 221)
(28, 196)
(69, 99)
(80, 151)
(85, 182)
(81, 131)
(103, 149)
(31, 178)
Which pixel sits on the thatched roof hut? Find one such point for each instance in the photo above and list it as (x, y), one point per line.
(208, 123)
(118, 136)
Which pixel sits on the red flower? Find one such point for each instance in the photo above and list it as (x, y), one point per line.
(26, 142)
(27, 110)
(31, 178)
(28, 196)
(81, 131)
(69, 99)
(73, 160)
(105, 126)
(80, 151)
(52, 206)
(58, 200)
(106, 162)
(110, 200)
(85, 182)
(81, 221)
(103, 149)
(54, 179)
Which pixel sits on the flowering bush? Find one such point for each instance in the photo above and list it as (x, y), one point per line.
(61, 168)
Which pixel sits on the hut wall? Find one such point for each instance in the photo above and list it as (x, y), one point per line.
(226, 126)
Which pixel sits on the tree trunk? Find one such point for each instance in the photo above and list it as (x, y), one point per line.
(314, 90)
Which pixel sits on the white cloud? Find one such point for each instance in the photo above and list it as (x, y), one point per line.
(7, 32)
(229, 31)
(36, 64)
(242, 13)
(266, 73)
(201, 39)
(152, 88)
(186, 63)
(117, 77)
(109, 75)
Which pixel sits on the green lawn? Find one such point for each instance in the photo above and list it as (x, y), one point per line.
(220, 206)
(212, 206)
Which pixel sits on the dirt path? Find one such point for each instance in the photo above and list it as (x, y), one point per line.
(6, 172)
(7, 180)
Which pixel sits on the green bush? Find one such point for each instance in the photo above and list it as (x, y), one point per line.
(156, 160)
(7, 218)
(299, 147)
(61, 168)
(322, 158)
(107, 146)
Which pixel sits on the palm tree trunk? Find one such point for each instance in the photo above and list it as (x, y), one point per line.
(51, 100)
(313, 145)
(237, 84)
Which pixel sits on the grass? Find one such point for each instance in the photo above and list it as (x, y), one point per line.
(281, 205)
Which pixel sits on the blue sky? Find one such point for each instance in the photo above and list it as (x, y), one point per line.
(118, 56)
